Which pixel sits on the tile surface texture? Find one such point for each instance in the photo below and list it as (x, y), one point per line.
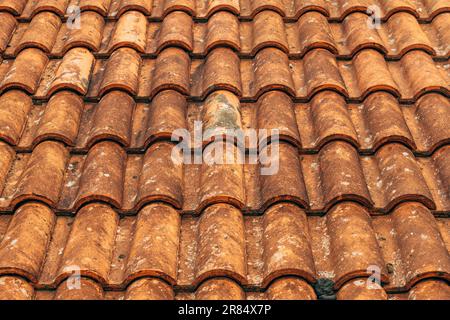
(95, 202)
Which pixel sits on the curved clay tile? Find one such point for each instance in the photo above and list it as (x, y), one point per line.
(401, 177)
(359, 36)
(423, 75)
(290, 288)
(149, 289)
(89, 36)
(43, 176)
(61, 119)
(188, 6)
(361, 289)
(281, 118)
(56, 6)
(220, 115)
(286, 244)
(112, 119)
(421, 248)
(269, 31)
(7, 156)
(313, 31)
(331, 119)
(121, 71)
(303, 6)
(430, 290)
(345, 7)
(73, 72)
(353, 244)
(283, 180)
(341, 175)
(171, 71)
(161, 177)
(385, 121)
(7, 26)
(144, 6)
(154, 249)
(221, 244)
(435, 7)
(41, 33)
(15, 288)
(392, 7)
(99, 6)
(167, 113)
(372, 73)
(82, 289)
(214, 6)
(222, 30)
(442, 24)
(292, 10)
(23, 249)
(26, 71)
(219, 289)
(322, 72)
(222, 174)
(129, 31)
(95, 227)
(407, 34)
(13, 6)
(102, 175)
(221, 71)
(176, 30)
(441, 159)
(272, 71)
(14, 108)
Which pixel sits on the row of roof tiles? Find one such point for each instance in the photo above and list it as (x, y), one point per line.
(315, 182)
(286, 288)
(117, 117)
(405, 247)
(408, 79)
(157, 9)
(402, 33)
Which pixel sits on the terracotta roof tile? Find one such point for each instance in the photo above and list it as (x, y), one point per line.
(25, 71)
(15, 7)
(221, 289)
(87, 118)
(407, 245)
(7, 26)
(395, 37)
(201, 9)
(72, 72)
(380, 119)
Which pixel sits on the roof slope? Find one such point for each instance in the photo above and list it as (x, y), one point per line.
(89, 185)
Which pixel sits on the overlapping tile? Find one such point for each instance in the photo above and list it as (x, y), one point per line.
(406, 246)
(218, 289)
(408, 79)
(201, 9)
(361, 181)
(400, 34)
(378, 120)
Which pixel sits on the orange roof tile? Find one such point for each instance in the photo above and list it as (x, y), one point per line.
(92, 185)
